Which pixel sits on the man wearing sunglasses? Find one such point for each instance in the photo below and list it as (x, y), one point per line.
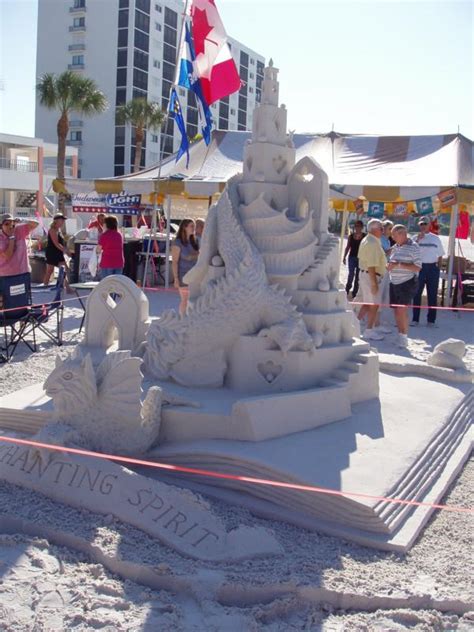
(13, 248)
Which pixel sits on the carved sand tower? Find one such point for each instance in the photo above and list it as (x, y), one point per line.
(267, 319)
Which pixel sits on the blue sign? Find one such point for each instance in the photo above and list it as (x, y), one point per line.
(123, 203)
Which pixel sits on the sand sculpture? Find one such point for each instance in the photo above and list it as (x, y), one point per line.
(261, 367)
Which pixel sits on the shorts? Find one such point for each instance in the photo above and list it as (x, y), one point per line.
(403, 293)
(364, 295)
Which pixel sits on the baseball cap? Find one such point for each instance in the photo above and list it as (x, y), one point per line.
(59, 216)
(423, 220)
(7, 217)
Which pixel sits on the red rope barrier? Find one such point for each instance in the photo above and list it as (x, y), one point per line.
(234, 477)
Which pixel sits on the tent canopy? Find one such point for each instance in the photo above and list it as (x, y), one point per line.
(384, 168)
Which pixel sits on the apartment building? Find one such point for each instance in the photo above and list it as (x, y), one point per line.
(129, 47)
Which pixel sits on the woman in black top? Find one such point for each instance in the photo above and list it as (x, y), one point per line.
(352, 249)
(56, 246)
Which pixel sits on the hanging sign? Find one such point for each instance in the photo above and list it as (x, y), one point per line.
(424, 206)
(400, 209)
(89, 203)
(447, 198)
(122, 203)
(376, 209)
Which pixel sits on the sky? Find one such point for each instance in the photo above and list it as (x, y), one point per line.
(373, 66)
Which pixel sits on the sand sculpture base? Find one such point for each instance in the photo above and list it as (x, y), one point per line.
(409, 445)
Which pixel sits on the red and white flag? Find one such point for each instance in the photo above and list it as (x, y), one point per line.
(214, 64)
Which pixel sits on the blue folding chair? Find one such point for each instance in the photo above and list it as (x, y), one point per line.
(41, 315)
(15, 313)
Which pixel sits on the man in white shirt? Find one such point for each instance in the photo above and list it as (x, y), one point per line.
(432, 252)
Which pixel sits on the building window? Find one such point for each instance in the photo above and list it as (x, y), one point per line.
(79, 4)
(244, 59)
(122, 57)
(139, 94)
(121, 77)
(140, 60)
(156, 64)
(192, 116)
(120, 135)
(75, 135)
(123, 4)
(169, 53)
(154, 138)
(142, 22)
(119, 155)
(77, 22)
(123, 18)
(252, 62)
(140, 79)
(141, 41)
(224, 110)
(78, 60)
(169, 35)
(158, 8)
(242, 119)
(250, 89)
(143, 5)
(251, 75)
(123, 37)
(120, 96)
(232, 111)
(119, 170)
(158, 26)
(171, 18)
(223, 123)
(182, 92)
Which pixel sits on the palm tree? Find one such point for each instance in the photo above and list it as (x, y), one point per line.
(142, 115)
(69, 92)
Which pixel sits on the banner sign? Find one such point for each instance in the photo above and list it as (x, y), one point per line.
(400, 209)
(86, 253)
(89, 203)
(122, 203)
(376, 209)
(447, 198)
(424, 206)
(113, 203)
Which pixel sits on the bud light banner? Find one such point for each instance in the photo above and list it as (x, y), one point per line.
(113, 203)
(122, 203)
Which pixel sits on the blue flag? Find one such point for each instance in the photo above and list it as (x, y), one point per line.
(176, 113)
(188, 79)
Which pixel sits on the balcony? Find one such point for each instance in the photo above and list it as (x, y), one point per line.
(26, 166)
(76, 47)
(77, 29)
(77, 9)
(75, 66)
(74, 143)
(76, 123)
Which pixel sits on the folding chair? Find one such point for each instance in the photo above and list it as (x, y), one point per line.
(15, 314)
(40, 315)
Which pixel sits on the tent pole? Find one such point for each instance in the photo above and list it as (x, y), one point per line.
(168, 238)
(451, 247)
(345, 217)
(151, 241)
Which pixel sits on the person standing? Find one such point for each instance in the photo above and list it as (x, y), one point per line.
(198, 231)
(13, 247)
(372, 263)
(432, 252)
(110, 247)
(97, 223)
(185, 253)
(56, 247)
(403, 266)
(352, 249)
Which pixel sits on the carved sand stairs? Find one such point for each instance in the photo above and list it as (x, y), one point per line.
(427, 469)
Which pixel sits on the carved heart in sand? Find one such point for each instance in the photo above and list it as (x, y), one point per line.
(269, 370)
(112, 298)
(279, 164)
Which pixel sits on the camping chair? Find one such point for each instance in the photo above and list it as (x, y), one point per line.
(40, 315)
(15, 314)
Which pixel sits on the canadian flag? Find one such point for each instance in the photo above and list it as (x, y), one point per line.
(214, 64)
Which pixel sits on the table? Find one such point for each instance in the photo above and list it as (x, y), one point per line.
(86, 286)
(159, 259)
(130, 248)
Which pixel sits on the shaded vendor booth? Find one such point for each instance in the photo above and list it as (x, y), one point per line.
(372, 175)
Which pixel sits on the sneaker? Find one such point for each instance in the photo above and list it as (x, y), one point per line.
(373, 334)
(414, 323)
(432, 325)
(402, 341)
(383, 329)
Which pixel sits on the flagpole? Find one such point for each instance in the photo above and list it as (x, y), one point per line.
(158, 177)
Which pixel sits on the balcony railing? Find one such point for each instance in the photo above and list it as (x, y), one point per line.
(26, 166)
(76, 123)
(52, 171)
(77, 9)
(77, 29)
(79, 47)
(75, 66)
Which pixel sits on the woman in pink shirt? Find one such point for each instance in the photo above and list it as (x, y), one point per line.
(111, 247)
